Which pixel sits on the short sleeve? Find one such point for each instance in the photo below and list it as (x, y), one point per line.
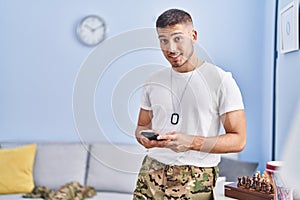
(144, 100)
(230, 97)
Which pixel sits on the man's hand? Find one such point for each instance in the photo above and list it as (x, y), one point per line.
(151, 143)
(177, 141)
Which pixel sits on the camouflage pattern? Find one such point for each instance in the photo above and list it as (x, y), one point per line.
(157, 181)
(69, 191)
(39, 192)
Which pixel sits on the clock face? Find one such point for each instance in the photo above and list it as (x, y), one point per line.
(91, 30)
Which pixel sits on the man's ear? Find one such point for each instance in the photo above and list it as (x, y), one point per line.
(194, 35)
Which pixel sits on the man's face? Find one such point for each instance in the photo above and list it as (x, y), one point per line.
(176, 43)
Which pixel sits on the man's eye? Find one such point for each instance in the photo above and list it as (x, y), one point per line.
(163, 41)
(177, 39)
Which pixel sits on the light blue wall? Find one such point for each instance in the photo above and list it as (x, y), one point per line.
(288, 92)
(41, 56)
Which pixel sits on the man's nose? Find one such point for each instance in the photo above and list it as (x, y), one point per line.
(172, 47)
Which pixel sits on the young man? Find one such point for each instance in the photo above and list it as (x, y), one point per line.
(185, 105)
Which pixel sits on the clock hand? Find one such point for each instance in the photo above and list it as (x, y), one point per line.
(87, 26)
(97, 27)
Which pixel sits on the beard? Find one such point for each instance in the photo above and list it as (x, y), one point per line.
(181, 61)
(178, 64)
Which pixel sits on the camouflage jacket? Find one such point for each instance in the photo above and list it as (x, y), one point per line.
(69, 191)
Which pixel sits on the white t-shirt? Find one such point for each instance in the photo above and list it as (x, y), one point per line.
(199, 97)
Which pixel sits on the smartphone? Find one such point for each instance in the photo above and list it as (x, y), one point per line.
(149, 134)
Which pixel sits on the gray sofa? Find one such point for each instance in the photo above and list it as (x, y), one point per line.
(110, 168)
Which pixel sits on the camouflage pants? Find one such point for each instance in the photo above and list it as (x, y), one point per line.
(157, 181)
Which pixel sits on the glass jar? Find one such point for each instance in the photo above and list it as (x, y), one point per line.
(281, 192)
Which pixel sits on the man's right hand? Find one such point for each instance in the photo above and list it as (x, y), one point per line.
(151, 143)
(144, 123)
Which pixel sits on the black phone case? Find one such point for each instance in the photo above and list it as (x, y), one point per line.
(150, 135)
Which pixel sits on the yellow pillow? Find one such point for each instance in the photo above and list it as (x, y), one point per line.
(16, 169)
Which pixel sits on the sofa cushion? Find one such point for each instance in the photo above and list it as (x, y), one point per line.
(58, 163)
(114, 167)
(16, 166)
(111, 196)
(98, 196)
(15, 197)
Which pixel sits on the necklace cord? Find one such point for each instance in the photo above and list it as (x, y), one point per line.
(175, 116)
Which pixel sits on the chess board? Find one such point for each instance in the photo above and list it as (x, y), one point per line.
(233, 191)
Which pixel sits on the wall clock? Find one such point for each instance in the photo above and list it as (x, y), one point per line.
(91, 30)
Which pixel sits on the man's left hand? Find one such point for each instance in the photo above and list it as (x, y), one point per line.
(177, 141)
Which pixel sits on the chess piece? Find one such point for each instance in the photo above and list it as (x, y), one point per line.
(268, 187)
(244, 180)
(271, 189)
(263, 187)
(258, 186)
(257, 174)
(253, 186)
(239, 184)
(248, 183)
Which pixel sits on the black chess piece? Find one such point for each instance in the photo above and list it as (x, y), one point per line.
(248, 184)
(239, 184)
(271, 189)
(253, 186)
(244, 181)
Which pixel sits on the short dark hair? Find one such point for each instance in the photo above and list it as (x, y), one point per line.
(172, 17)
